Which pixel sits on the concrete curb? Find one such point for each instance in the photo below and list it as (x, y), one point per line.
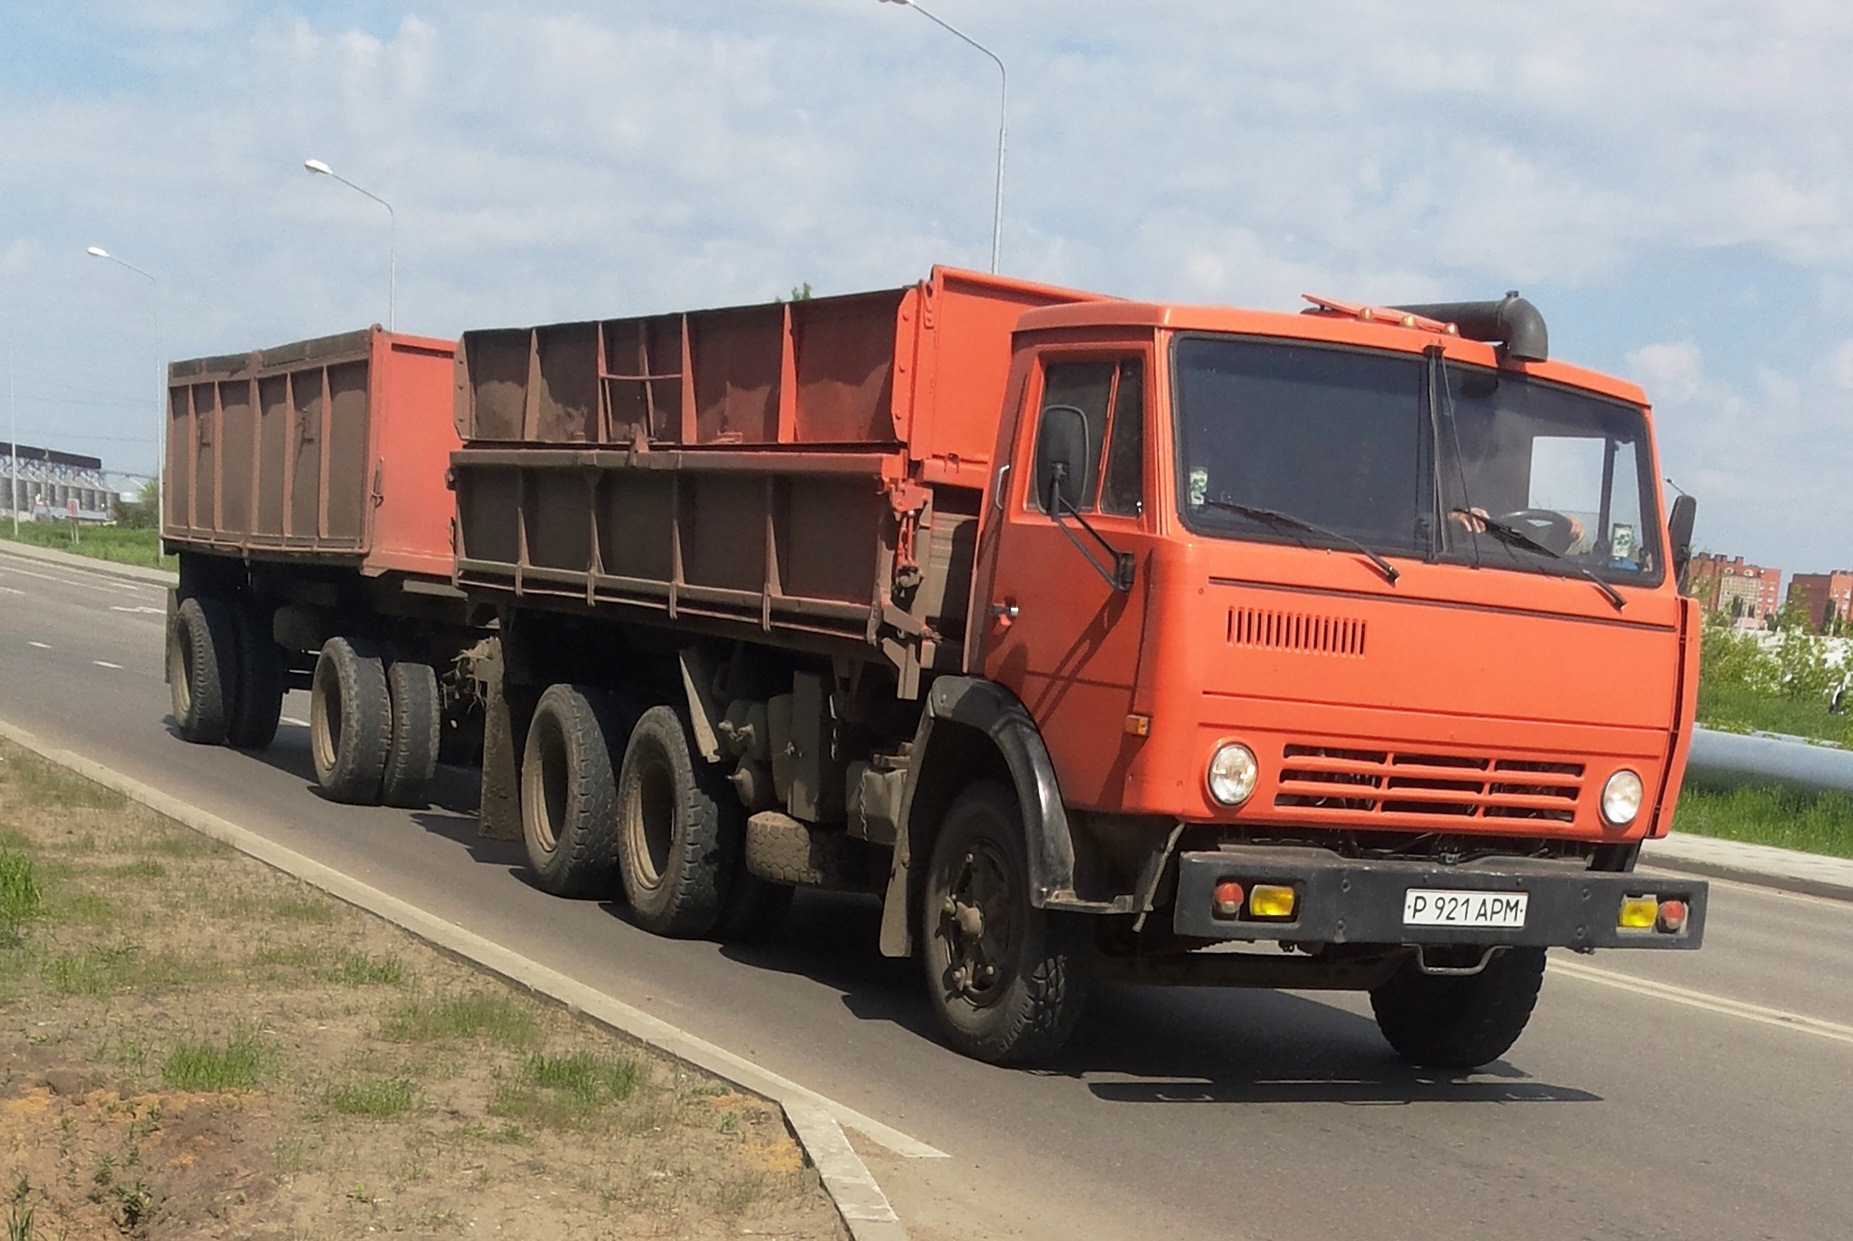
(1762, 865)
(815, 1121)
(69, 560)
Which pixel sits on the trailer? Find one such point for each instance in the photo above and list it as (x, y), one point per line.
(306, 499)
(1089, 637)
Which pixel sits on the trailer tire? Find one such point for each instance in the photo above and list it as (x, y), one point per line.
(350, 720)
(1007, 980)
(202, 669)
(257, 706)
(569, 819)
(677, 850)
(417, 730)
(1444, 1021)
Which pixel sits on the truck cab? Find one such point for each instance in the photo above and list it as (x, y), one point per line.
(1345, 632)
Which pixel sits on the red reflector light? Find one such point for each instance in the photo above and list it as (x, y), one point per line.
(1672, 918)
(1229, 897)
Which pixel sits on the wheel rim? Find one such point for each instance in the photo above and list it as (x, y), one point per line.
(650, 821)
(548, 798)
(325, 720)
(978, 925)
(180, 662)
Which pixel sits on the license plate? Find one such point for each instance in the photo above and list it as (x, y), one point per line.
(1429, 907)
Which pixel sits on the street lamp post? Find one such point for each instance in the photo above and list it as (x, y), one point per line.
(160, 426)
(12, 409)
(392, 231)
(1003, 115)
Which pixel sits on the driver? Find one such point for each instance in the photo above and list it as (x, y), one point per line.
(1559, 536)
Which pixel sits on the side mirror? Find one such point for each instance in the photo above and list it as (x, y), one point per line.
(1679, 536)
(1061, 458)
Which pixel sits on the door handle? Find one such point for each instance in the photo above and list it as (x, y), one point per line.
(1004, 613)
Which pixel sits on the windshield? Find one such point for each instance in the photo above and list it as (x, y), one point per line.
(1350, 441)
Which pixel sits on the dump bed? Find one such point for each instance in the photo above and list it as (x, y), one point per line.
(332, 450)
(809, 469)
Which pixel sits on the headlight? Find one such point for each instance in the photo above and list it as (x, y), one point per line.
(1233, 772)
(1621, 798)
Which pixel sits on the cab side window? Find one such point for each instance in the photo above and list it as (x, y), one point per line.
(1111, 399)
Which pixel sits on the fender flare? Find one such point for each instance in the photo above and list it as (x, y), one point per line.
(990, 709)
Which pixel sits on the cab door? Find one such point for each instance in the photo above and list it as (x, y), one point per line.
(1055, 630)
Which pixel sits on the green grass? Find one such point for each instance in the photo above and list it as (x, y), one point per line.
(359, 971)
(44, 784)
(476, 1015)
(111, 969)
(1739, 709)
(379, 1099)
(1770, 816)
(120, 544)
(21, 901)
(562, 1092)
(233, 1065)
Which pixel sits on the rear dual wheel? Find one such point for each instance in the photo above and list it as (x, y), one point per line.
(224, 672)
(374, 726)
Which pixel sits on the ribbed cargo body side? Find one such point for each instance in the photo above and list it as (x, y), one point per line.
(809, 472)
(331, 450)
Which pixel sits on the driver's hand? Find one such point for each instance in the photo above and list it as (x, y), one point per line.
(1470, 522)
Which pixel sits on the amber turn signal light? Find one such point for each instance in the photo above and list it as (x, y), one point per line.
(1271, 900)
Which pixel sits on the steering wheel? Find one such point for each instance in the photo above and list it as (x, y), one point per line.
(1546, 527)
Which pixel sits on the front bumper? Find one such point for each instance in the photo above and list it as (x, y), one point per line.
(1347, 901)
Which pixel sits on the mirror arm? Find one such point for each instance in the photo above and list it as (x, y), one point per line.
(1120, 576)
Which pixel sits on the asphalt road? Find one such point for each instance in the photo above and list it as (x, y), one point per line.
(1655, 1095)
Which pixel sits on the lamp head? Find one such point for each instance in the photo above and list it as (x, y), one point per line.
(97, 252)
(316, 165)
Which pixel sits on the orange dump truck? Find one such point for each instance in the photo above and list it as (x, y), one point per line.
(1095, 638)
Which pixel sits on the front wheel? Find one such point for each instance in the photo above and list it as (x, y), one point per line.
(1007, 980)
(1459, 1021)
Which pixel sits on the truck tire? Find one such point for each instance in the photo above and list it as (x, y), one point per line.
(202, 669)
(677, 850)
(569, 818)
(258, 704)
(1446, 1021)
(1007, 980)
(350, 720)
(417, 728)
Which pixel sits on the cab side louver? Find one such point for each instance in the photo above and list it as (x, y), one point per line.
(1295, 631)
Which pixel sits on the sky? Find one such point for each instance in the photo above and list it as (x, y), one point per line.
(1669, 181)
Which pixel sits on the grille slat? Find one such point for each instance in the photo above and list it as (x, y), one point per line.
(1387, 783)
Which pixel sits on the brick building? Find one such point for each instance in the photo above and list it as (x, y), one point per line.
(1748, 593)
(1828, 597)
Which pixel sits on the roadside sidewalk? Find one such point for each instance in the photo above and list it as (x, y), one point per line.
(1763, 865)
(69, 560)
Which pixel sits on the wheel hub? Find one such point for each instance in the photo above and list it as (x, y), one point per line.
(977, 925)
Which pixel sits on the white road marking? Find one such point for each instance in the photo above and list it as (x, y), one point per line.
(43, 646)
(1710, 1003)
(8, 590)
(104, 663)
(141, 611)
(102, 584)
(290, 719)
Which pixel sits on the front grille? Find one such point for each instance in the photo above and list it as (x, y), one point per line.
(1384, 782)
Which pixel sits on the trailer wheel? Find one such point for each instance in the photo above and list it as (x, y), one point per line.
(1007, 980)
(677, 850)
(258, 704)
(417, 729)
(1448, 1021)
(350, 720)
(569, 818)
(202, 669)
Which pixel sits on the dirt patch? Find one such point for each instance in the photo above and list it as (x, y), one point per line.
(193, 1045)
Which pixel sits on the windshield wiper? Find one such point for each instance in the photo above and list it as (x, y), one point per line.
(1287, 521)
(1512, 536)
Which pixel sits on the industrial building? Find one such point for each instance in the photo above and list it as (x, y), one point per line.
(44, 483)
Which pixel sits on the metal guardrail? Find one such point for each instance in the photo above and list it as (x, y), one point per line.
(1728, 760)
